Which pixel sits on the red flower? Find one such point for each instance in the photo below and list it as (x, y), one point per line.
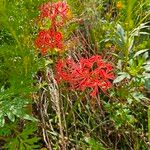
(93, 73)
(56, 12)
(58, 36)
(51, 38)
(46, 10)
(48, 39)
(61, 8)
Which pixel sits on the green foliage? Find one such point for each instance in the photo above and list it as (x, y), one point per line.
(18, 67)
(13, 108)
(93, 144)
(149, 122)
(117, 119)
(121, 115)
(19, 62)
(6, 130)
(20, 140)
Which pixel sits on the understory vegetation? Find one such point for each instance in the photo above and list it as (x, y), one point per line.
(74, 75)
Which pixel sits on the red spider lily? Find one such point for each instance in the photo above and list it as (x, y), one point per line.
(93, 73)
(56, 12)
(46, 10)
(51, 38)
(48, 39)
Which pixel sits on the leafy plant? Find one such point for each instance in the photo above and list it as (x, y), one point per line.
(93, 144)
(116, 116)
(20, 140)
(12, 109)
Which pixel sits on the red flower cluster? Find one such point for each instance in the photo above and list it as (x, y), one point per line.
(93, 73)
(56, 12)
(48, 39)
(51, 38)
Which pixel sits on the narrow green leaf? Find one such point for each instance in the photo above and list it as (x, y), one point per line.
(140, 52)
(2, 121)
(11, 116)
(122, 76)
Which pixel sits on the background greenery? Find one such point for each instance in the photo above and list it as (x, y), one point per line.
(36, 113)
